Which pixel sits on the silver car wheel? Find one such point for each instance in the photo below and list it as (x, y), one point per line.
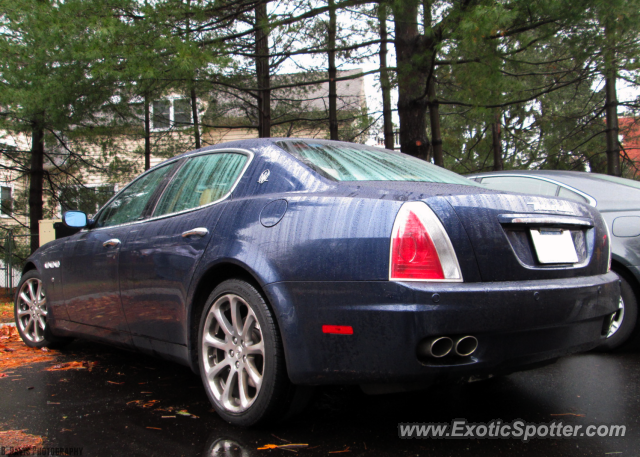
(233, 353)
(617, 319)
(32, 310)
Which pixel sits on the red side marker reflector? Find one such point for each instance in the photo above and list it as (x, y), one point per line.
(338, 329)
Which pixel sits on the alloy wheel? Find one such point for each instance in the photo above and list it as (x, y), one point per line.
(32, 310)
(617, 319)
(233, 353)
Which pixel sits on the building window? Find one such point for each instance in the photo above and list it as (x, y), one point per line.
(6, 209)
(86, 199)
(169, 113)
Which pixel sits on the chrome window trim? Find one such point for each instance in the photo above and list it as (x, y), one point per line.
(246, 152)
(592, 201)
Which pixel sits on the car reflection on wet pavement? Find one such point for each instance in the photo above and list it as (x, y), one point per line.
(112, 402)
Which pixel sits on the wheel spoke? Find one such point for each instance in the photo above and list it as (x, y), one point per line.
(253, 373)
(214, 342)
(30, 323)
(236, 318)
(243, 389)
(39, 294)
(228, 387)
(26, 299)
(41, 323)
(214, 370)
(222, 320)
(257, 348)
(248, 325)
(22, 312)
(37, 331)
(30, 287)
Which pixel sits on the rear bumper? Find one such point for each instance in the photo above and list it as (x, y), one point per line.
(517, 324)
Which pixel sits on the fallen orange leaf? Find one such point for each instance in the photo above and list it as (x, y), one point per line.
(19, 441)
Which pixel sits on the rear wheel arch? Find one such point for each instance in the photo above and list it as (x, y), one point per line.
(214, 276)
(627, 321)
(621, 269)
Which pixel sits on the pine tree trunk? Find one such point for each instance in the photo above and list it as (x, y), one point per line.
(434, 118)
(385, 83)
(611, 109)
(496, 136)
(263, 71)
(36, 177)
(194, 99)
(194, 114)
(412, 100)
(333, 91)
(147, 133)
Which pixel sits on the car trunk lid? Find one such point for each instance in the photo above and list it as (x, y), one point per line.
(523, 237)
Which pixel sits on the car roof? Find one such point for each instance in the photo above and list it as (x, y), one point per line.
(256, 144)
(599, 186)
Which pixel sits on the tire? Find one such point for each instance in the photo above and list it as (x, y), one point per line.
(624, 321)
(241, 359)
(30, 313)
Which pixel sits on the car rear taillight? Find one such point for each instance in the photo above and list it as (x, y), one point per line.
(607, 240)
(420, 247)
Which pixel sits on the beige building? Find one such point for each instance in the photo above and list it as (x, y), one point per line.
(85, 172)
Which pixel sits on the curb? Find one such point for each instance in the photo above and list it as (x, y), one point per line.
(9, 324)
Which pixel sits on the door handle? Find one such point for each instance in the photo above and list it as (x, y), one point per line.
(200, 231)
(111, 242)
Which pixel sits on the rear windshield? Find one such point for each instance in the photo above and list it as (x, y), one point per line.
(354, 162)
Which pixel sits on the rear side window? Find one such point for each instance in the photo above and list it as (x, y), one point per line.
(350, 162)
(520, 184)
(571, 195)
(201, 180)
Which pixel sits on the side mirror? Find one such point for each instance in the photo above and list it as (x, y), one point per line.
(76, 219)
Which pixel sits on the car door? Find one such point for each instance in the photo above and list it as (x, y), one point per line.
(91, 257)
(161, 254)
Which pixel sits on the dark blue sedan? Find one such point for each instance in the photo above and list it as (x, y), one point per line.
(272, 265)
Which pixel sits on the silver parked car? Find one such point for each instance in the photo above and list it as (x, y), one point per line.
(618, 200)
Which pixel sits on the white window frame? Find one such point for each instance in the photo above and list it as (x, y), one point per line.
(12, 187)
(172, 124)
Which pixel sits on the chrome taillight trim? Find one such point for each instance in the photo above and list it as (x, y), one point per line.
(439, 236)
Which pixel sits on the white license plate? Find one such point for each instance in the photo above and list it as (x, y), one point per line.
(554, 246)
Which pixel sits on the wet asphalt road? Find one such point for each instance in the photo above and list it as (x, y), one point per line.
(99, 411)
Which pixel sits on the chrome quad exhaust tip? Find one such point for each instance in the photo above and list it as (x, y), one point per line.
(465, 345)
(437, 347)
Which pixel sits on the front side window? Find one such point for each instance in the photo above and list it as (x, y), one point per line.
(347, 162)
(201, 180)
(85, 199)
(7, 201)
(130, 204)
